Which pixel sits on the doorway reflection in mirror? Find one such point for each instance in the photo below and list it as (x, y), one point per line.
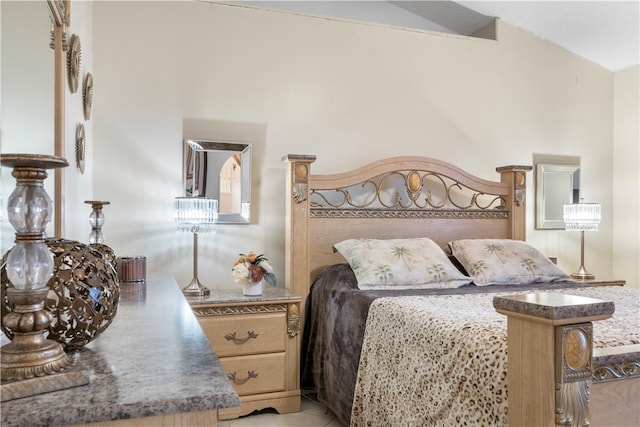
(220, 170)
(556, 185)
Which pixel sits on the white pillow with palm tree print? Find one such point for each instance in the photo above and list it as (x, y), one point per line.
(505, 262)
(400, 264)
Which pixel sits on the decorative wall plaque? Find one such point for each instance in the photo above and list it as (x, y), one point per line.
(80, 147)
(73, 63)
(87, 95)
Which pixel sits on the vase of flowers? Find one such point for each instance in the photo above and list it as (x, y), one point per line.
(250, 271)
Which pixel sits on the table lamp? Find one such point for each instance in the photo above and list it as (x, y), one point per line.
(196, 215)
(31, 363)
(96, 219)
(582, 217)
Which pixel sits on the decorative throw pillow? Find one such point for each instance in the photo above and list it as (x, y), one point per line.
(505, 262)
(400, 264)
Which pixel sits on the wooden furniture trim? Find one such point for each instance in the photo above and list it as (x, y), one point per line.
(380, 167)
(197, 418)
(121, 388)
(600, 282)
(615, 403)
(309, 239)
(60, 14)
(246, 335)
(269, 369)
(231, 309)
(616, 386)
(284, 401)
(545, 385)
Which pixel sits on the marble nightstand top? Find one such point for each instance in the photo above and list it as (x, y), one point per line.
(234, 296)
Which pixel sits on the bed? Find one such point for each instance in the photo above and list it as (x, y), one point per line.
(361, 360)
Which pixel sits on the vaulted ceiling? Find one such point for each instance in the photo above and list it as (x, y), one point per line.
(604, 32)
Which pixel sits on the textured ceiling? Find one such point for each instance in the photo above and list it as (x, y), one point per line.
(604, 32)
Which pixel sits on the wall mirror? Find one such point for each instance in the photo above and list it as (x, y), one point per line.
(556, 185)
(33, 92)
(60, 21)
(222, 171)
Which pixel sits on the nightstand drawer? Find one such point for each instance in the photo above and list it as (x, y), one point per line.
(261, 373)
(246, 334)
(256, 340)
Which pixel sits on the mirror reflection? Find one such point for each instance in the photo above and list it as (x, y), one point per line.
(26, 99)
(556, 185)
(222, 171)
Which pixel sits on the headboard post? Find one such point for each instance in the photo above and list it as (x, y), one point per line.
(297, 223)
(516, 178)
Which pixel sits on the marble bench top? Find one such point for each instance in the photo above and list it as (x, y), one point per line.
(152, 360)
(555, 307)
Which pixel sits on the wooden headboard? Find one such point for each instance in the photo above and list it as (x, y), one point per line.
(397, 197)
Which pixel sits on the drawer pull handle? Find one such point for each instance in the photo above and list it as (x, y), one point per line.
(231, 336)
(250, 374)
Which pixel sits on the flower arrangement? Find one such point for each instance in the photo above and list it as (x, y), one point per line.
(253, 268)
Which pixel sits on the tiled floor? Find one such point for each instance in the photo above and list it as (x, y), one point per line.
(312, 414)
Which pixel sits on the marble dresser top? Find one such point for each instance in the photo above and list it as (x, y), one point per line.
(152, 360)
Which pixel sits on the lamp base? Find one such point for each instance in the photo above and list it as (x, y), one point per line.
(30, 354)
(195, 289)
(587, 276)
(72, 377)
(582, 274)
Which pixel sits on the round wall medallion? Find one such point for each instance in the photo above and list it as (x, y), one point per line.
(73, 63)
(87, 95)
(80, 147)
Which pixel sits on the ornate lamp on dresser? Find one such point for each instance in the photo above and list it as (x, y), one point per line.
(256, 339)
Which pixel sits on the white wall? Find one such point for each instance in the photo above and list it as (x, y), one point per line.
(26, 113)
(349, 93)
(626, 175)
(27, 119)
(78, 186)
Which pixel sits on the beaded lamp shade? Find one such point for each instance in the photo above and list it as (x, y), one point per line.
(582, 217)
(196, 215)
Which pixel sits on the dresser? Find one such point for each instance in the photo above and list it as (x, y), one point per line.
(152, 366)
(256, 339)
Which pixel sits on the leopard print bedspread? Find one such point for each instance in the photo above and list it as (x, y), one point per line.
(441, 360)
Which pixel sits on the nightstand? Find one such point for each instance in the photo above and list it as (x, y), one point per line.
(257, 341)
(599, 282)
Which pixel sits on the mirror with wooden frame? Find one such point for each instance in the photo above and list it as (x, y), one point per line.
(60, 20)
(33, 90)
